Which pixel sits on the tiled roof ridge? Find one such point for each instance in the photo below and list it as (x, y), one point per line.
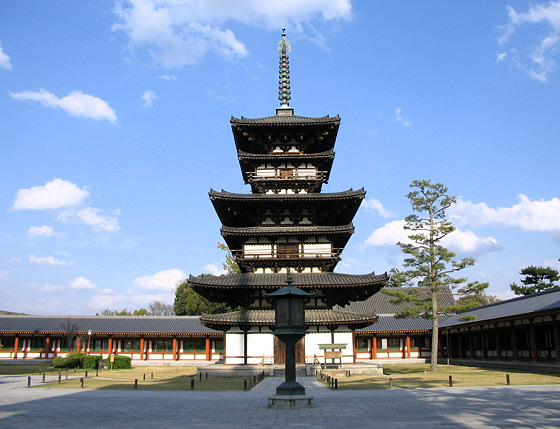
(517, 298)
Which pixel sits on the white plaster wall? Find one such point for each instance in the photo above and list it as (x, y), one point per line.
(312, 342)
(260, 345)
(234, 347)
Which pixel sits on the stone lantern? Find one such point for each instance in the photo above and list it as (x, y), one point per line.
(289, 304)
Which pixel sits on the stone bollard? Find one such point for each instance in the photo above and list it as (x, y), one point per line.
(59, 378)
(28, 381)
(200, 377)
(135, 383)
(245, 384)
(336, 384)
(507, 379)
(450, 381)
(192, 383)
(44, 377)
(143, 377)
(390, 383)
(82, 382)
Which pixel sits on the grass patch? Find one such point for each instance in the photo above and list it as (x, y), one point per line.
(26, 368)
(419, 376)
(149, 378)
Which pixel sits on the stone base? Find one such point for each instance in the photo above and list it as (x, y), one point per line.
(290, 402)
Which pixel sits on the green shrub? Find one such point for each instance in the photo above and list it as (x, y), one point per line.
(91, 362)
(75, 359)
(122, 362)
(59, 362)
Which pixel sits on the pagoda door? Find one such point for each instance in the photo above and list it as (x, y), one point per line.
(280, 351)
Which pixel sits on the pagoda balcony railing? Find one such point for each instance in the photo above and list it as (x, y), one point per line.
(243, 255)
(254, 176)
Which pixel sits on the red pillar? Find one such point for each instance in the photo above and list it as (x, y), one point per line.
(175, 354)
(408, 346)
(141, 348)
(16, 346)
(47, 347)
(208, 349)
(110, 345)
(374, 348)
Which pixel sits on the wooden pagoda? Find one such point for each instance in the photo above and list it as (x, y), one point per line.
(286, 223)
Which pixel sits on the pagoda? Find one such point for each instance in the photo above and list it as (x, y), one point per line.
(286, 225)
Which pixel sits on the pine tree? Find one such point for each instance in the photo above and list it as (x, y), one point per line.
(429, 263)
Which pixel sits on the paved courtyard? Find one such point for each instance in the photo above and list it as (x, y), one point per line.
(494, 407)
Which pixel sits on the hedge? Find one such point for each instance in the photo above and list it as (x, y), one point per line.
(122, 362)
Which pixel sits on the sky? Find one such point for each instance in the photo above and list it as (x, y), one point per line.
(114, 125)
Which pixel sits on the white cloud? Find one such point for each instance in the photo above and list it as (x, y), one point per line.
(399, 118)
(15, 259)
(462, 242)
(181, 32)
(500, 57)
(53, 195)
(375, 205)
(49, 260)
(540, 55)
(214, 270)
(51, 288)
(44, 231)
(82, 283)
(75, 104)
(4, 59)
(168, 77)
(102, 301)
(91, 216)
(542, 215)
(149, 97)
(165, 280)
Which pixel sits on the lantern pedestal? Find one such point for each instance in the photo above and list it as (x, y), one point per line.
(290, 386)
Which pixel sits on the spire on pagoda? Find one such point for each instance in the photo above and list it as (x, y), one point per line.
(284, 93)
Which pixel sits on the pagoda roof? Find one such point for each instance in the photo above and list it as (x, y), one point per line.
(241, 210)
(278, 280)
(336, 288)
(287, 230)
(246, 318)
(328, 154)
(284, 120)
(316, 196)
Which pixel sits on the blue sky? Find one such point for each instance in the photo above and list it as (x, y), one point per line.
(115, 125)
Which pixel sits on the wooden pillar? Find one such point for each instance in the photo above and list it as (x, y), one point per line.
(374, 347)
(449, 344)
(556, 339)
(484, 345)
(471, 345)
(460, 340)
(110, 345)
(78, 345)
(498, 346)
(408, 346)
(514, 343)
(224, 349)
(141, 348)
(47, 346)
(354, 347)
(534, 349)
(175, 355)
(16, 346)
(208, 348)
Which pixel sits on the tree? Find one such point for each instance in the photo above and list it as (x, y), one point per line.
(536, 279)
(429, 263)
(160, 308)
(70, 327)
(229, 265)
(470, 296)
(189, 303)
